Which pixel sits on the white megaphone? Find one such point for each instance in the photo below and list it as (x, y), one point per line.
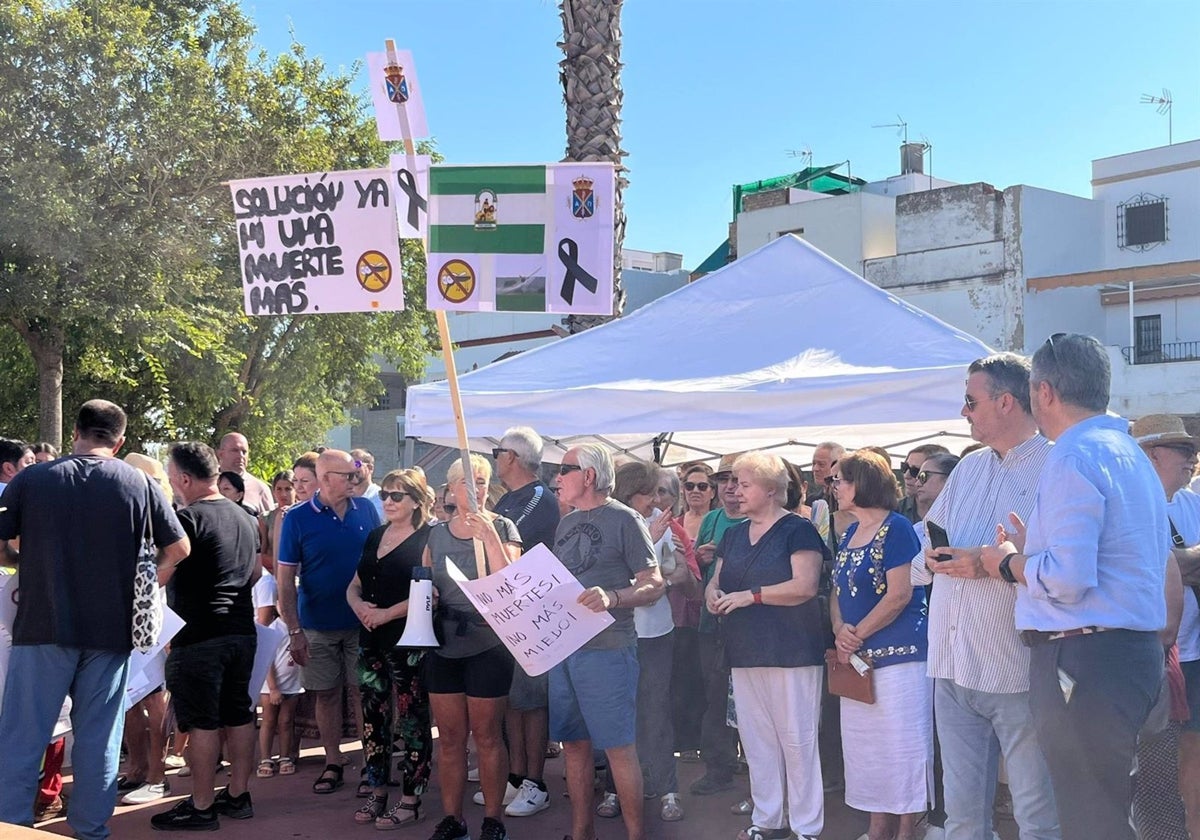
(418, 627)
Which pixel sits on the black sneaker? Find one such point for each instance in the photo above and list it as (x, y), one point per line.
(707, 785)
(234, 807)
(185, 817)
(451, 828)
(492, 830)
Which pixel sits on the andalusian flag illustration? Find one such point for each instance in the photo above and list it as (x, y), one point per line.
(529, 238)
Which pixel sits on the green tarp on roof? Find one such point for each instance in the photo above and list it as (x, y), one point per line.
(820, 179)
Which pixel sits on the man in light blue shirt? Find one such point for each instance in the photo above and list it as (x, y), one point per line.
(1091, 570)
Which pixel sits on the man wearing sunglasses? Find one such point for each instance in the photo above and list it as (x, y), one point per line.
(322, 541)
(593, 692)
(979, 666)
(1089, 571)
(534, 510)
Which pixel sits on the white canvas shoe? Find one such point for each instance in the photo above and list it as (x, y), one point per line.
(146, 793)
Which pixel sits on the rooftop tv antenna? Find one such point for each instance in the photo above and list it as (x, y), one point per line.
(805, 154)
(1164, 103)
(899, 124)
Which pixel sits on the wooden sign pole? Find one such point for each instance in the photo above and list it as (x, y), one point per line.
(460, 423)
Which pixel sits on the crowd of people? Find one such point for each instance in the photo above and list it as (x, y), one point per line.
(1024, 610)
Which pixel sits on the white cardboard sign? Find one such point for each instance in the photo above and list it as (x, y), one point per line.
(531, 604)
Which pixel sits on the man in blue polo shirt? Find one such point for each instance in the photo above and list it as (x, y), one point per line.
(322, 540)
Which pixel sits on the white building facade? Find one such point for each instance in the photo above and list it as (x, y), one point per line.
(1014, 266)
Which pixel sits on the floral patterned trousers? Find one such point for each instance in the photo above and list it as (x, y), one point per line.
(380, 673)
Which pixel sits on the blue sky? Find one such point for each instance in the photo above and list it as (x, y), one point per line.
(716, 92)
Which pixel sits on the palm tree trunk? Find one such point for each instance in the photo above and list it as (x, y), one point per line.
(591, 79)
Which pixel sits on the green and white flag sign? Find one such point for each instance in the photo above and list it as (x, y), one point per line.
(522, 238)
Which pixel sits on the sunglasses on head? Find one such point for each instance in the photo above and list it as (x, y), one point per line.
(923, 476)
(391, 495)
(702, 486)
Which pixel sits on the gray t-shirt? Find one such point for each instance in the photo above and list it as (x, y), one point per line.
(606, 547)
(464, 632)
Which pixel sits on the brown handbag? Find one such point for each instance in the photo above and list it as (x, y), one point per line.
(845, 681)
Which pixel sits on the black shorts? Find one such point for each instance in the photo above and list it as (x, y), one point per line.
(484, 675)
(209, 682)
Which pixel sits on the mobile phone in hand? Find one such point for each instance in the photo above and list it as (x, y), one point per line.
(938, 538)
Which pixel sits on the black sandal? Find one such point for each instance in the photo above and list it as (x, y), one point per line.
(394, 819)
(329, 780)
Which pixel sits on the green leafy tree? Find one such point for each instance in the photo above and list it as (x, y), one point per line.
(119, 124)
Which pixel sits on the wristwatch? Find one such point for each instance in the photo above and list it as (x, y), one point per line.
(1005, 572)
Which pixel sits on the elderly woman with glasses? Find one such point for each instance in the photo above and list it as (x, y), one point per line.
(470, 674)
(765, 591)
(880, 618)
(378, 594)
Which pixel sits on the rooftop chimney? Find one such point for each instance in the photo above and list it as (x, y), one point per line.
(912, 158)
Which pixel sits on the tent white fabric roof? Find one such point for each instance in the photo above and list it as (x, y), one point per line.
(781, 349)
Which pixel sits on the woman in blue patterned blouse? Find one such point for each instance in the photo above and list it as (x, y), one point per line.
(879, 616)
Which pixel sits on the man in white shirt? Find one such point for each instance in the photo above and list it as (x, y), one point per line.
(980, 666)
(1172, 452)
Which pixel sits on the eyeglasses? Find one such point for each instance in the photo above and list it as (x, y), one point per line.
(354, 477)
(450, 508)
(923, 476)
(702, 486)
(1184, 449)
(563, 469)
(392, 495)
(912, 471)
(496, 450)
(835, 480)
(722, 478)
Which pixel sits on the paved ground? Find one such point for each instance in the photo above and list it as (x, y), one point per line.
(285, 807)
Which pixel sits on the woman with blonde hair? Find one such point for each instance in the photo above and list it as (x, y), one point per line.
(470, 674)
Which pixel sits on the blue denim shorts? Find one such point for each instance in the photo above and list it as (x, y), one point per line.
(593, 696)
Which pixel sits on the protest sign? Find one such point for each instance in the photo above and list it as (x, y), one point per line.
(396, 93)
(529, 238)
(266, 646)
(412, 201)
(531, 604)
(147, 670)
(320, 242)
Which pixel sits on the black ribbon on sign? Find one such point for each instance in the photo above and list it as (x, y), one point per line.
(568, 255)
(416, 204)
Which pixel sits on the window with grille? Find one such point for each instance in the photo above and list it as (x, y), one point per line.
(1147, 339)
(1142, 222)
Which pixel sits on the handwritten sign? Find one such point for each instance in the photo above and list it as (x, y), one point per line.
(321, 242)
(531, 604)
(396, 93)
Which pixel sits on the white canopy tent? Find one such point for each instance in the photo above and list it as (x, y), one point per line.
(779, 350)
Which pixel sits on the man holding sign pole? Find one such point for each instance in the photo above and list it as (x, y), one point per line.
(593, 693)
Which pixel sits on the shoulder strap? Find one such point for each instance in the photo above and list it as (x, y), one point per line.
(537, 497)
(1178, 542)
(148, 528)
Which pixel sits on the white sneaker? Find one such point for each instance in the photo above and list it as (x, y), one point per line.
(530, 800)
(146, 793)
(510, 793)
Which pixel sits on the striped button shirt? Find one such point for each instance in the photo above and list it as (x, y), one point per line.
(972, 635)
